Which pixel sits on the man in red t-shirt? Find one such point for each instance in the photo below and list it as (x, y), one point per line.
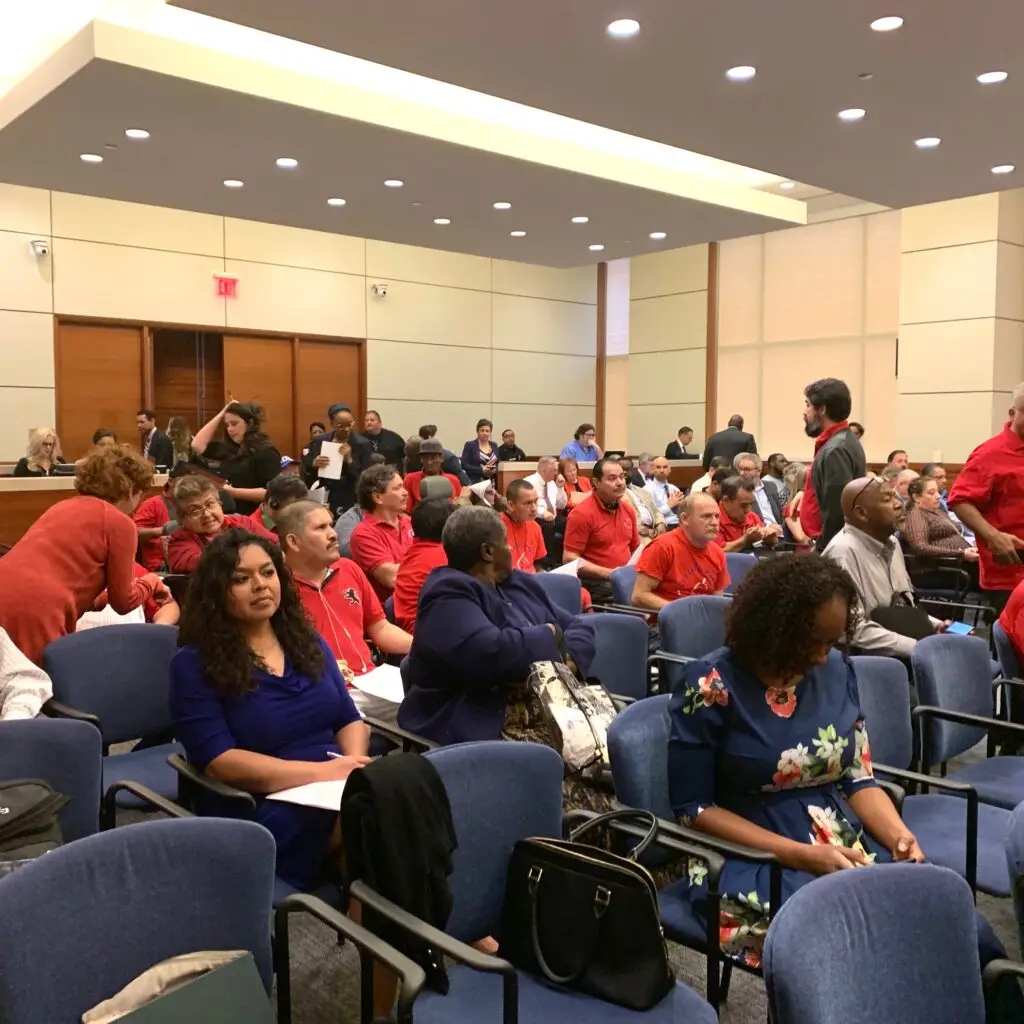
(381, 540)
(601, 530)
(685, 561)
(525, 538)
(431, 457)
(424, 555)
(739, 526)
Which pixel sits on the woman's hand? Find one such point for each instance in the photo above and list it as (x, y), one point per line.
(342, 767)
(824, 859)
(971, 555)
(161, 594)
(906, 848)
(320, 461)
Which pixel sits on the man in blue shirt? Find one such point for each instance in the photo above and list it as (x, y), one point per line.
(584, 448)
(667, 497)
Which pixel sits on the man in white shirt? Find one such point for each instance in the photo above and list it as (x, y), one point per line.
(766, 495)
(667, 497)
(550, 497)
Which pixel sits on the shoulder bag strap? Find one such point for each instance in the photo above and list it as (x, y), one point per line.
(646, 817)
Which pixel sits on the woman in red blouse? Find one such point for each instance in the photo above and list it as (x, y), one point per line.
(576, 487)
(75, 550)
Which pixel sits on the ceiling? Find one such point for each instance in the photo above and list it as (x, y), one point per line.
(668, 82)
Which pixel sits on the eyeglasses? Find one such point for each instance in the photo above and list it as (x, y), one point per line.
(197, 511)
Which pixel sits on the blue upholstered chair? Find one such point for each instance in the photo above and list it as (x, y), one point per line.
(562, 589)
(739, 563)
(1015, 865)
(620, 662)
(690, 628)
(622, 581)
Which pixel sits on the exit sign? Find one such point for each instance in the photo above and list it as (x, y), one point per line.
(227, 287)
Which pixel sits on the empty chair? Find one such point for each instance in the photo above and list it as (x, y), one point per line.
(739, 563)
(690, 628)
(620, 661)
(562, 589)
(622, 581)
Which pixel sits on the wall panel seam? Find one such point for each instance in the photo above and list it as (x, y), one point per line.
(548, 298)
(135, 245)
(962, 245)
(668, 295)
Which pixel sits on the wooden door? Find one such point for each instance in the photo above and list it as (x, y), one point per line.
(327, 373)
(188, 376)
(98, 376)
(260, 370)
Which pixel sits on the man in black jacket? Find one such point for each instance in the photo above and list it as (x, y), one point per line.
(677, 449)
(383, 441)
(156, 445)
(729, 442)
(355, 452)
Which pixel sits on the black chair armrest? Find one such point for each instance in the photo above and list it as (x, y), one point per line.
(677, 659)
(995, 971)
(108, 815)
(190, 775)
(927, 712)
(997, 684)
(624, 609)
(370, 947)
(54, 709)
(408, 741)
(982, 611)
(621, 701)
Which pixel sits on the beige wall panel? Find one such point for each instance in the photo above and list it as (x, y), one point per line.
(668, 322)
(651, 427)
(435, 372)
(387, 261)
(26, 281)
(148, 227)
(874, 404)
(1010, 281)
(293, 247)
(616, 402)
(24, 408)
(667, 378)
(667, 273)
(540, 429)
(739, 388)
(1008, 355)
(948, 284)
(456, 421)
(430, 315)
(542, 325)
(1011, 216)
(814, 281)
(25, 209)
(882, 273)
(954, 355)
(26, 350)
(575, 284)
(1001, 402)
(956, 222)
(945, 428)
(740, 290)
(533, 378)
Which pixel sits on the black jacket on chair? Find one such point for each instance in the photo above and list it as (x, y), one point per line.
(728, 443)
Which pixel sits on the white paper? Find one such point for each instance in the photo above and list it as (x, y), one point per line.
(385, 682)
(635, 557)
(333, 469)
(108, 617)
(325, 795)
(569, 569)
(481, 489)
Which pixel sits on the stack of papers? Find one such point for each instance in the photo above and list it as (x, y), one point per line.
(325, 795)
(384, 682)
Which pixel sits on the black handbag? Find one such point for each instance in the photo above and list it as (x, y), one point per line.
(904, 617)
(587, 919)
(28, 821)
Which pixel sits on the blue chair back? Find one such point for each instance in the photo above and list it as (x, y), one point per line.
(920, 964)
(1009, 663)
(954, 673)
(80, 923)
(66, 754)
(638, 750)
(692, 627)
(500, 792)
(121, 674)
(1015, 863)
(389, 609)
(620, 662)
(562, 589)
(739, 563)
(622, 581)
(884, 690)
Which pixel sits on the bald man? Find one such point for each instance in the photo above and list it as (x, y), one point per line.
(868, 550)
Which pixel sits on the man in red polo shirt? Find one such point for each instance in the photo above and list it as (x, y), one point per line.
(524, 534)
(739, 526)
(685, 561)
(380, 541)
(601, 530)
(425, 554)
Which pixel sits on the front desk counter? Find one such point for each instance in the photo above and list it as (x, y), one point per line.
(684, 472)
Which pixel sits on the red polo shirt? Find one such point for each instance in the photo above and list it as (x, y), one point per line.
(681, 568)
(810, 513)
(728, 531)
(526, 542)
(412, 483)
(375, 542)
(992, 480)
(602, 535)
(154, 511)
(422, 557)
(185, 547)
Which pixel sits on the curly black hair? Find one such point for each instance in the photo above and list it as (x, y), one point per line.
(205, 623)
(770, 623)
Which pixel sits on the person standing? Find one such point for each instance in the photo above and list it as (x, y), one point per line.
(838, 458)
(677, 449)
(508, 450)
(383, 441)
(156, 445)
(355, 453)
(728, 443)
(181, 439)
(480, 457)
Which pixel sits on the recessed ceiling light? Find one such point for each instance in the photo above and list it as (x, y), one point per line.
(287, 162)
(442, 220)
(394, 183)
(623, 28)
(137, 133)
(580, 220)
(233, 183)
(888, 24)
(743, 73)
(518, 234)
(992, 77)
(787, 185)
(851, 114)
(1002, 169)
(503, 206)
(658, 235)
(595, 248)
(335, 201)
(929, 142)
(91, 158)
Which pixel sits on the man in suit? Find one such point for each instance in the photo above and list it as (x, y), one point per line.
(729, 442)
(156, 445)
(677, 449)
(767, 503)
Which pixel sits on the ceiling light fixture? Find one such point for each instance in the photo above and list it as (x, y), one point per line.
(851, 114)
(624, 28)
(1003, 169)
(658, 235)
(787, 186)
(137, 133)
(992, 77)
(743, 73)
(287, 162)
(442, 220)
(888, 24)
(233, 183)
(393, 183)
(91, 158)
(595, 248)
(518, 234)
(503, 206)
(580, 220)
(930, 142)
(335, 201)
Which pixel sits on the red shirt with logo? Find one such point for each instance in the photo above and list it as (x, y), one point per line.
(375, 542)
(422, 557)
(681, 568)
(602, 535)
(728, 531)
(526, 541)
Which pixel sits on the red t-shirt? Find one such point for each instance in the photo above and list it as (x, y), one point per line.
(419, 560)
(412, 483)
(604, 536)
(681, 568)
(342, 609)
(728, 531)
(1012, 620)
(375, 542)
(992, 480)
(526, 542)
(152, 512)
(185, 547)
(810, 513)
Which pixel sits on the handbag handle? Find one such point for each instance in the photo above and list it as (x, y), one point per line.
(646, 817)
(599, 907)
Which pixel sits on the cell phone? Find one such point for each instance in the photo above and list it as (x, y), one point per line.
(960, 628)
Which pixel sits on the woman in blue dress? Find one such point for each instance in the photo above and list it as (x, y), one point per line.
(769, 749)
(259, 702)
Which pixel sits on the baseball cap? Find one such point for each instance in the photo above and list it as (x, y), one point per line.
(431, 446)
(287, 460)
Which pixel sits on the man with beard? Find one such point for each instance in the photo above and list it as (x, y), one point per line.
(838, 458)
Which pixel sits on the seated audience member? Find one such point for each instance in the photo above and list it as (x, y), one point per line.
(898, 459)
(937, 472)
(383, 536)
(344, 525)
(774, 471)
(677, 449)
(258, 700)
(355, 452)
(643, 474)
(200, 519)
(316, 428)
(868, 550)
(424, 555)
(282, 491)
(431, 454)
(181, 439)
(583, 448)
(24, 687)
(525, 539)
(796, 480)
(449, 464)
(703, 482)
(902, 487)
(155, 520)
(767, 503)
(104, 438)
(927, 529)
(384, 442)
(550, 495)
(160, 613)
(717, 479)
(156, 445)
(289, 467)
(480, 456)
(684, 562)
(858, 429)
(602, 531)
(667, 497)
(768, 747)
(508, 450)
(573, 486)
(650, 523)
(740, 527)
(41, 455)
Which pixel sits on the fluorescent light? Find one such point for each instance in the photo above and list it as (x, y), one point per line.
(1003, 169)
(442, 220)
(287, 162)
(518, 234)
(786, 186)
(658, 235)
(91, 158)
(930, 142)
(851, 114)
(137, 133)
(623, 28)
(580, 220)
(503, 206)
(743, 73)
(335, 201)
(394, 183)
(888, 24)
(233, 183)
(992, 77)
(595, 248)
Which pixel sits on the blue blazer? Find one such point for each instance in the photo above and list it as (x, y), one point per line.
(472, 462)
(473, 643)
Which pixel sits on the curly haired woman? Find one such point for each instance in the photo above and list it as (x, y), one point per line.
(768, 748)
(258, 700)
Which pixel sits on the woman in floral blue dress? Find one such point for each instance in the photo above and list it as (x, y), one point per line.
(769, 749)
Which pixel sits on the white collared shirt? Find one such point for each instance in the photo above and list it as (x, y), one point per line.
(661, 492)
(549, 495)
(764, 506)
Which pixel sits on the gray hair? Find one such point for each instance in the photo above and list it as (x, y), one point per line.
(756, 459)
(645, 457)
(794, 476)
(546, 460)
(467, 530)
(1018, 394)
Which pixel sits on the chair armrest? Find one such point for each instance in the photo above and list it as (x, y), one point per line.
(191, 775)
(927, 712)
(371, 948)
(624, 609)
(997, 684)
(408, 741)
(987, 614)
(54, 709)
(994, 972)
(678, 659)
(621, 701)
(949, 785)
(109, 811)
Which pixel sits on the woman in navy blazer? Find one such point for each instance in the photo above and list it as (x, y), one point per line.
(480, 457)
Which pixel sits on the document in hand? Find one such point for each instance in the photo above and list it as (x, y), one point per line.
(384, 682)
(334, 468)
(325, 795)
(569, 569)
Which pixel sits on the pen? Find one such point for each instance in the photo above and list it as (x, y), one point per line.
(334, 753)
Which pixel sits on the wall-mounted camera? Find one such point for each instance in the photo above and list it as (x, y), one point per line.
(40, 247)
(380, 290)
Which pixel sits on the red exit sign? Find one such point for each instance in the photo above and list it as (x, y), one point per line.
(227, 287)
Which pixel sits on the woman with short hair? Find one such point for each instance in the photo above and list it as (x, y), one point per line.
(479, 456)
(41, 455)
(584, 446)
(576, 487)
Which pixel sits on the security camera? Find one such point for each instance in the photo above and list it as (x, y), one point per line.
(40, 247)
(380, 290)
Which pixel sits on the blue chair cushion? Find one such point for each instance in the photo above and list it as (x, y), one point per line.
(677, 916)
(939, 822)
(148, 767)
(998, 780)
(473, 996)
